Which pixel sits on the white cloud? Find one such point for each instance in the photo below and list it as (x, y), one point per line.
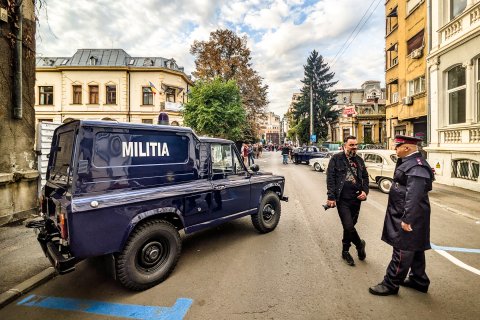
(281, 34)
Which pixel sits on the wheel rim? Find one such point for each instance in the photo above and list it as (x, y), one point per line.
(153, 254)
(268, 213)
(317, 167)
(385, 184)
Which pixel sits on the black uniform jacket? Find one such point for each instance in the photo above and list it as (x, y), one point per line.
(337, 172)
(408, 202)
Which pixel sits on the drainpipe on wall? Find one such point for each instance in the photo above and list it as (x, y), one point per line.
(17, 64)
(128, 98)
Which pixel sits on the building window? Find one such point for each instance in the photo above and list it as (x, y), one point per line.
(465, 169)
(171, 94)
(392, 21)
(45, 95)
(77, 94)
(401, 130)
(457, 95)
(415, 42)
(394, 97)
(93, 61)
(147, 96)
(111, 92)
(93, 94)
(392, 56)
(346, 133)
(478, 90)
(147, 121)
(412, 5)
(457, 7)
(416, 86)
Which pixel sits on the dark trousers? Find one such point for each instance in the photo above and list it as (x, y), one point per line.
(348, 210)
(403, 261)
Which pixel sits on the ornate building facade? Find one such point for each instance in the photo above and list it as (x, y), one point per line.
(109, 84)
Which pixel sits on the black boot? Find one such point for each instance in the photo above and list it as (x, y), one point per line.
(382, 290)
(361, 251)
(348, 258)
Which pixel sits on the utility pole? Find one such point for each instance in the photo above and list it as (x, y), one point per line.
(311, 113)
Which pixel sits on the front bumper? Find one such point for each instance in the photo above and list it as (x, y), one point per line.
(58, 255)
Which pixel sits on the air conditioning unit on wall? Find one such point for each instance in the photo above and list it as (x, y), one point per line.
(408, 100)
(416, 54)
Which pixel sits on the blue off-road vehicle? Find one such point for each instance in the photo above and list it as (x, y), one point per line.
(125, 190)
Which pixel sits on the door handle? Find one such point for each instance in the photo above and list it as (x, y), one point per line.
(219, 187)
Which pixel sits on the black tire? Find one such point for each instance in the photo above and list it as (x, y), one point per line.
(317, 167)
(385, 184)
(150, 255)
(268, 215)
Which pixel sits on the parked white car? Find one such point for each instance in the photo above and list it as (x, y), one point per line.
(380, 166)
(321, 164)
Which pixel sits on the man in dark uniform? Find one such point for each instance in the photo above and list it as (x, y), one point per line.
(407, 221)
(347, 186)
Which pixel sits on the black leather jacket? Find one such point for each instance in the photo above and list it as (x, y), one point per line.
(337, 172)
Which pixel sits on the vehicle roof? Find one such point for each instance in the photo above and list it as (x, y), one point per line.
(130, 125)
(218, 140)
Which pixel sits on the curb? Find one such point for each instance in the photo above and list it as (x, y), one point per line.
(26, 286)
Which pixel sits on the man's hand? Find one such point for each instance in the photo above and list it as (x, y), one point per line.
(362, 196)
(331, 203)
(406, 227)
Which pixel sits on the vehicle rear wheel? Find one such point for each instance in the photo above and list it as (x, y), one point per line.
(268, 215)
(150, 255)
(385, 184)
(317, 167)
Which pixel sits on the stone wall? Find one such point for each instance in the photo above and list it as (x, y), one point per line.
(18, 165)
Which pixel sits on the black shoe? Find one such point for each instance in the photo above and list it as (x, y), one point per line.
(348, 258)
(361, 251)
(382, 290)
(412, 284)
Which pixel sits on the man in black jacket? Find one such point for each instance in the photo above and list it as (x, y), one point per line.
(407, 220)
(347, 186)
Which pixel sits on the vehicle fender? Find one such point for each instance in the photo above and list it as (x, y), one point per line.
(273, 186)
(160, 213)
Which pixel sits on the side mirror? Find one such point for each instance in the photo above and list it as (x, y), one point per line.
(254, 167)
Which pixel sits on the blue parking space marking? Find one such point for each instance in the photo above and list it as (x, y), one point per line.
(132, 311)
(435, 247)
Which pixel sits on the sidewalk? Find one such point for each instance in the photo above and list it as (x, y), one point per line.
(23, 265)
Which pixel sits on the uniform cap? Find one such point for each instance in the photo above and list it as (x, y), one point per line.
(400, 139)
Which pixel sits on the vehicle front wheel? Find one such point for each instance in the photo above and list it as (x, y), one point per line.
(268, 215)
(150, 255)
(317, 167)
(385, 184)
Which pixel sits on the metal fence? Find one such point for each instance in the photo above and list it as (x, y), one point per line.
(465, 169)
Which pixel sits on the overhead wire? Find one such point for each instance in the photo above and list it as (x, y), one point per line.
(364, 22)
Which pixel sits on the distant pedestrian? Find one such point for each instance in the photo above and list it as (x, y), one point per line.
(407, 220)
(347, 186)
(285, 152)
(250, 155)
(244, 152)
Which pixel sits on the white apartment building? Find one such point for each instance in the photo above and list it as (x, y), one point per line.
(109, 84)
(454, 91)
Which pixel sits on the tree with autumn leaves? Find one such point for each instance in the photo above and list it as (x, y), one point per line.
(225, 56)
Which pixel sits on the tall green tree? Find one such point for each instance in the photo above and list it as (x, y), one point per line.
(317, 87)
(227, 56)
(214, 108)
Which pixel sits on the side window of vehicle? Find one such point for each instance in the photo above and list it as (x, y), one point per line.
(203, 156)
(222, 161)
(372, 158)
(237, 164)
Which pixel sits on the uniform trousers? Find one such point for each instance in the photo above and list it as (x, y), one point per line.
(398, 269)
(348, 210)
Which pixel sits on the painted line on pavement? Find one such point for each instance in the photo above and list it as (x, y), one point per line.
(459, 263)
(435, 247)
(132, 311)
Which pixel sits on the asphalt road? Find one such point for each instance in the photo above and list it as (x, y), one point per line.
(295, 272)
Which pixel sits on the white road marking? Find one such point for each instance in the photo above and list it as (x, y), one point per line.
(458, 262)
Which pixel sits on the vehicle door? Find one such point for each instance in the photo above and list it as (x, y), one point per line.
(374, 165)
(230, 181)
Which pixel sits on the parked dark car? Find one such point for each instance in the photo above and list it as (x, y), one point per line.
(304, 154)
(126, 190)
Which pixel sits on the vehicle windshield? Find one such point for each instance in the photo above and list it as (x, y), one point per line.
(62, 157)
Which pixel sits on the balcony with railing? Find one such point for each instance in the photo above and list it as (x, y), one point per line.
(462, 24)
(460, 135)
(370, 112)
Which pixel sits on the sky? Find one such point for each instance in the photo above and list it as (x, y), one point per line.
(281, 34)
